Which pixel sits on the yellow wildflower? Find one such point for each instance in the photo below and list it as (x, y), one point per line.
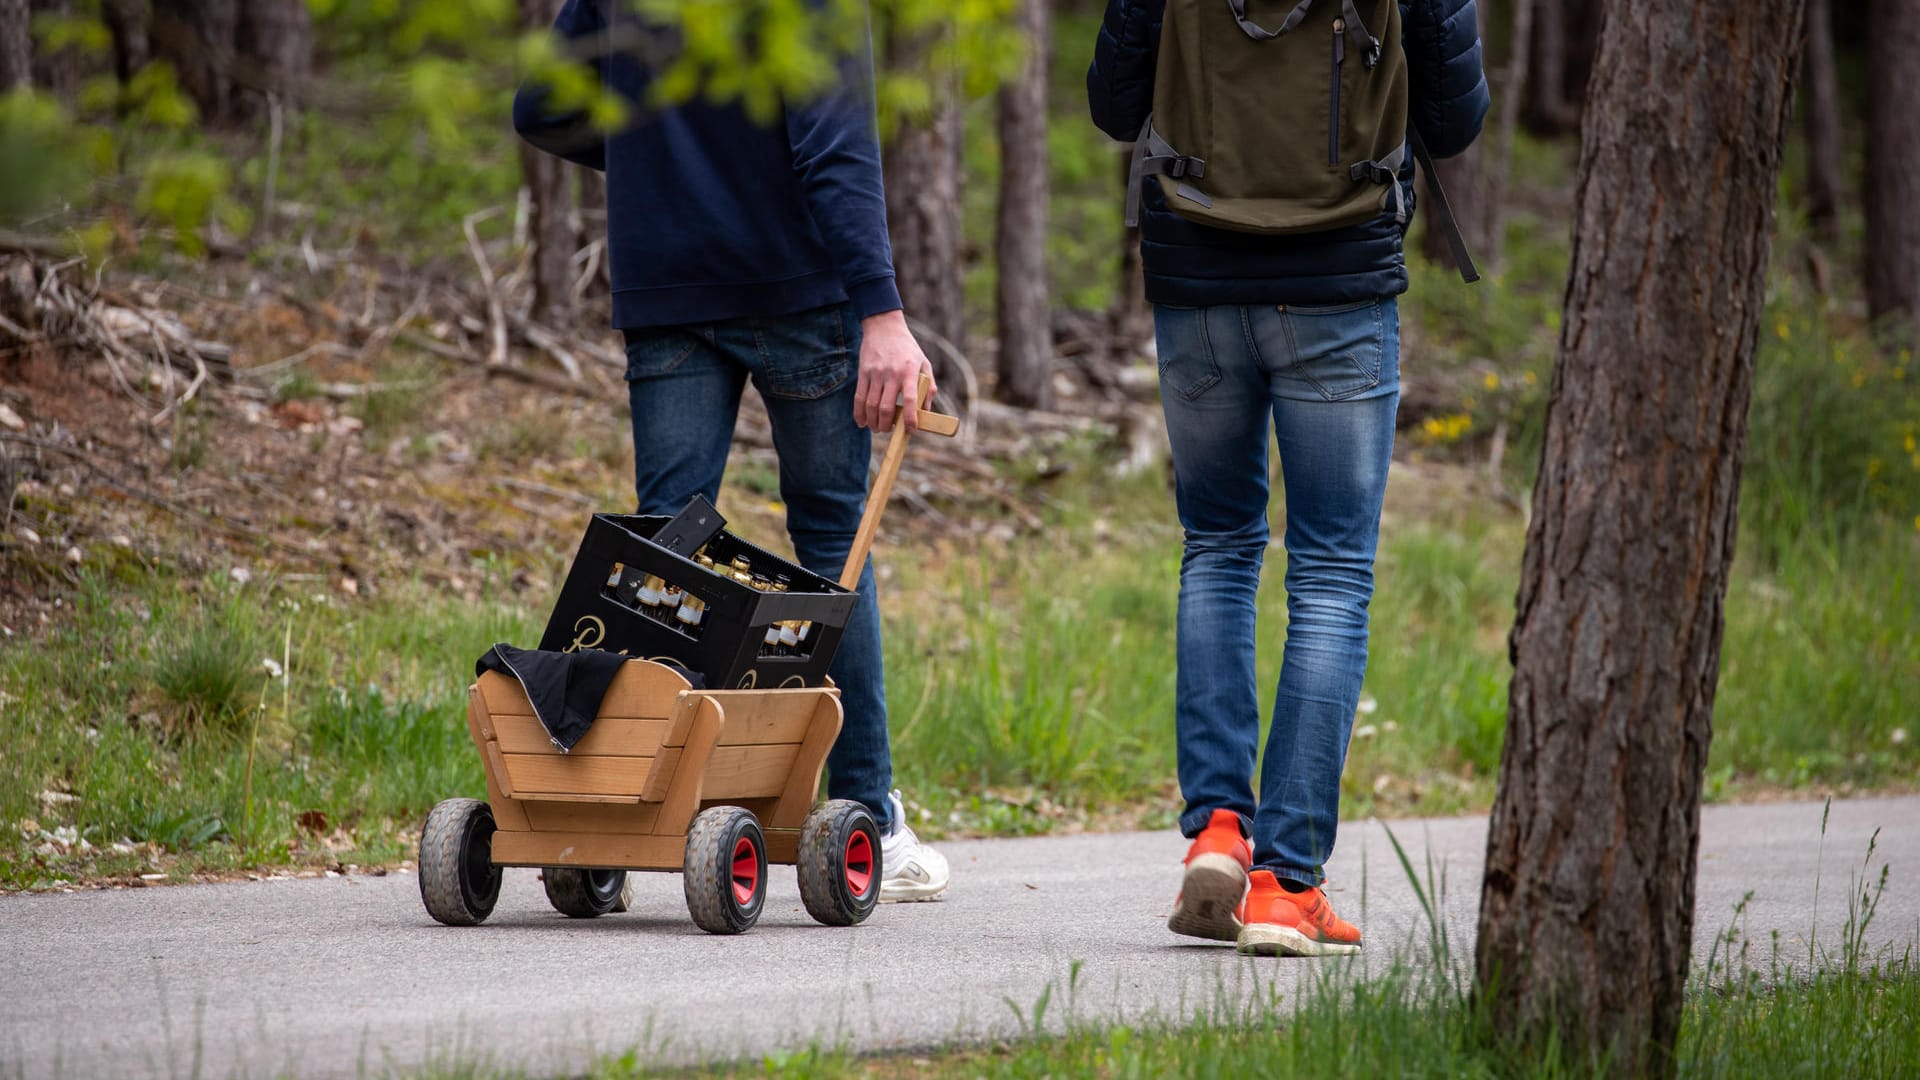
(1910, 443)
(1492, 381)
(1780, 330)
(1531, 378)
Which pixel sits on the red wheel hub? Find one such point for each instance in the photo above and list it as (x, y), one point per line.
(859, 862)
(746, 871)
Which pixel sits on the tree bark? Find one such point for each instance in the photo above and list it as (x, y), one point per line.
(197, 37)
(274, 44)
(1547, 110)
(1893, 162)
(1025, 325)
(16, 45)
(923, 215)
(1130, 320)
(127, 22)
(1586, 914)
(57, 71)
(1820, 104)
(550, 225)
(1514, 85)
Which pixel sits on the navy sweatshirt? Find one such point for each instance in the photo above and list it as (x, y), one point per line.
(1192, 265)
(711, 216)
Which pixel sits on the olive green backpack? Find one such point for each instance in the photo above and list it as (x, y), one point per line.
(1295, 129)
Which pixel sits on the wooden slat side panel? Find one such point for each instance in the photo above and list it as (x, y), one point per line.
(803, 782)
(497, 772)
(608, 737)
(686, 709)
(641, 691)
(575, 774)
(593, 850)
(556, 817)
(748, 772)
(683, 786)
(502, 693)
(661, 779)
(774, 716)
(506, 812)
(783, 845)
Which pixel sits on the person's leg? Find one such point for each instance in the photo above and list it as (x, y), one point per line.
(1214, 394)
(1336, 388)
(684, 396)
(804, 366)
(805, 371)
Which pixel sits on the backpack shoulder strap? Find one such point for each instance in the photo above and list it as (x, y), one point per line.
(1442, 211)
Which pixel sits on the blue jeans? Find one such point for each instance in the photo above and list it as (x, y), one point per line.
(684, 385)
(1329, 379)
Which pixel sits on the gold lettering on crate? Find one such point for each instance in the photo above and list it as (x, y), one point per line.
(792, 681)
(588, 631)
(750, 680)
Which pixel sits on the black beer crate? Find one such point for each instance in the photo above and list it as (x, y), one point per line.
(597, 608)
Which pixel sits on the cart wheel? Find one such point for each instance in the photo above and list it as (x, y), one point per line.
(458, 882)
(584, 894)
(839, 863)
(726, 870)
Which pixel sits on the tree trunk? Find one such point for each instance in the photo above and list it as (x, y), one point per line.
(127, 22)
(1547, 110)
(1820, 104)
(275, 47)
(923, 216)
(16, 45)
(55, 70)
(550, 224)
(1586, 914)
(1893, 161)
(1514, 84)
(1130, 321)
(1465, 180)
(197, 37)
(1025, 325)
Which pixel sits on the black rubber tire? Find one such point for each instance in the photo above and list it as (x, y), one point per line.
(458, 882)
(584, 894)
(714, 889)
(839, 852)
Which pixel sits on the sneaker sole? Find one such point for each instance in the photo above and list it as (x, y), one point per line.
(1270, 940)
(1210, 893)
(911, 892)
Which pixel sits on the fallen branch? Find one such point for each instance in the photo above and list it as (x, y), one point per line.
(496, 314)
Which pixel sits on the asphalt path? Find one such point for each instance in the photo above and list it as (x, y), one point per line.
(348, 976)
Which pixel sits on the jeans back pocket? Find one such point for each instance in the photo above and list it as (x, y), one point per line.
(1339, 351)
(1187, 363)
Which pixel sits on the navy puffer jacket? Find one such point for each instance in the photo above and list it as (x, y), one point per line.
(1193, 265)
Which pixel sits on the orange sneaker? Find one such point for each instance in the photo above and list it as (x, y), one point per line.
(1282, 923)
(1215, 881)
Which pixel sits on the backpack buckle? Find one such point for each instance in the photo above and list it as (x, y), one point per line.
(1181, 168)
(1374, 171)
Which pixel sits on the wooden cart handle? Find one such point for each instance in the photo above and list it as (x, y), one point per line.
(882, 490)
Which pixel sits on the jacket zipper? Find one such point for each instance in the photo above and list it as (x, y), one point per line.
(1333, 95)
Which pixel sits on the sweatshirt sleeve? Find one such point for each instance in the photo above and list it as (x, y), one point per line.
(836, 154)
(568, 134)
(1120, 79)
(1446, 83)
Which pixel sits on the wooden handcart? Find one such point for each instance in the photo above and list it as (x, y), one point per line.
(715, 784)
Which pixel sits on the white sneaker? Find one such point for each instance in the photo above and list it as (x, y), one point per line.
(910, 870)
